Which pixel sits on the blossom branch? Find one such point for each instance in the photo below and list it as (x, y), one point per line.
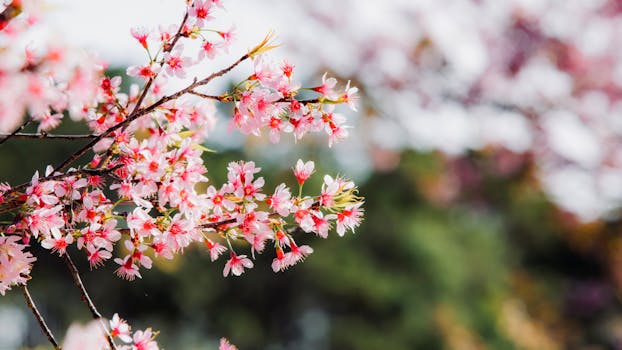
(178, 35)
(87, 299)
(35, 311)
(315, 100)
(140, 112)
(18, 135)
(221, 98)
(90, 172)
(226, 98)
(219, 223)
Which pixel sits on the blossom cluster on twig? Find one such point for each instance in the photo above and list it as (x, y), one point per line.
(141, 188)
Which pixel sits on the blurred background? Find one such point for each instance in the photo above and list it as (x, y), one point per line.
(488, 145)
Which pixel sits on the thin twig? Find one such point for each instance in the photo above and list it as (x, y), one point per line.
(221, 98)
(21, 127)
(87, 299)
(315, 100)
(20, 135)
(170, 46)
(90, 172)
(218, 223)
(44, 327)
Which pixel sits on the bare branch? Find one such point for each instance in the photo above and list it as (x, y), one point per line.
(44, 327)
(87, 299)
(48, 136)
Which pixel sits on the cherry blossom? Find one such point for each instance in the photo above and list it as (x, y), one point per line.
(15, 263)
(225, 345)
(303, 171)
(119, 328)
(145, 182)
(236, 265)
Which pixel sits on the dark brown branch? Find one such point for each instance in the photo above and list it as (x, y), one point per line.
(219, 223)
(315, 100)
(221, 98)
(47, 136)
(225, 98)
(5, 139)
(169, 47)
(87, 299)
(44, 327)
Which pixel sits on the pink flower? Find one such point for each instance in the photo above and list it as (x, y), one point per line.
(228, 37)
(321, 223)
(15, 262)
(175, 64)
(208, 49)
(128, 270)
(44, 220)
(218, 199)
(146, 71)
(251, 189)
(287, 69)
(281, 262)
(41, 193)
(162, 248)
(200, 10)
(280, 201)
(277, 125)
(48, 121)
(326, 89)
(303, 217)
(97, 257)
(349, 218)
(236, 265)
(56, 242)
(215, 249)
(334, 126)
(298, 253)
(119, 328)
(137, 254)
(303, 171)
(267, 73)
(225, 345)
(239, 173)
(350, 96)
(143, 224)
(143, 340)
(141, 34)
(87, 337)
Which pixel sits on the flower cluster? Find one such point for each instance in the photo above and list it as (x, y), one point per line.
(41, 80)
(151, 158)
(145, 186)
(15, 263)
(91, 336)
